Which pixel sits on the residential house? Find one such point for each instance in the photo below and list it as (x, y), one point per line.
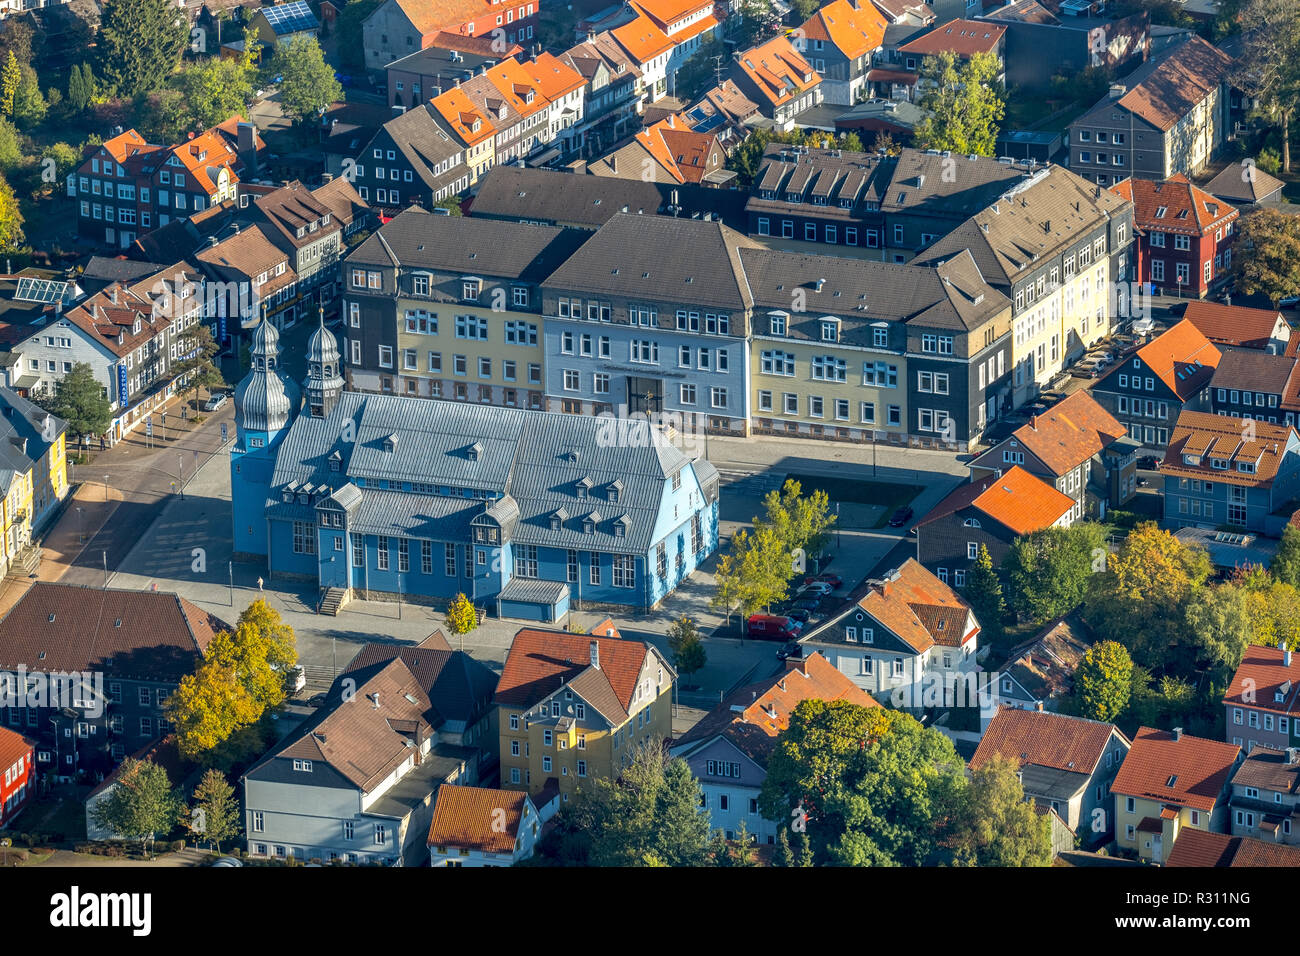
(18, 757)
(779, 79)
(482, 826)
(510, 501)
(1200, 849)
(1171, 782)
(1245, 184)
(1265, 330)
(140, 644)
(162, 752)
(356, 781)
(962, 38)
(689, 24)
(423, 75)
(517, 106)
(1076, 446)
(423, 284)
(1219, 470)
(992, 512)
(470, 126)
(649, 49)
(282, 22)
(1184, 234)
(724, 111)
(584, 701)
(1265, 801)
(565, 90)
(260, 272)
(1039, 672)
(1060, 249)
(909, 640)
(728, 750)
(1260, 705)
(412, 159)
(841, 40)
(1251, 384)
(1042, 43)
(667, 152)
(876, 117)
(33, 476)
(1149, 389)
(398, 28)
(1170, 115)
(612, 93)
(1067, 764)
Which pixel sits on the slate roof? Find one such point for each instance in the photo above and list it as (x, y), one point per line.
(22, 434)
(1244, 184)
(1268, 769)
(59, 627)
(1252, 371)
(471, 818)
(753, 716)
(1045, 739)
(509, 192)
(525, 455)
(1198, 769)
(424, 145)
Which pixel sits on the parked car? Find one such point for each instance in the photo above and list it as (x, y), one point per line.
(215, 401)
(809, 604)
(1149, 463)
(773, 627)
(901, 517)
(789, 649)
(834, 580)
(1290, 302)
(820, 588)
(799, 616)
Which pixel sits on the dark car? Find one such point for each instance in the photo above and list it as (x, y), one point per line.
(799, 616)
(1149, 463)
(808, 604)
(789, 649)
(901, 517)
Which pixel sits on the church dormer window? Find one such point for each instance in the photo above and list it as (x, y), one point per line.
(390, 443)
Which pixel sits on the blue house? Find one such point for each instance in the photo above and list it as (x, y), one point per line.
(526, 512)
(1221, 470)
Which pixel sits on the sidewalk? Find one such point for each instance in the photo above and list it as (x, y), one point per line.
(64, 542)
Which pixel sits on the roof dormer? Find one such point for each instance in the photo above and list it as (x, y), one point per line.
(390, 443)
(614, 491)
(582, 486)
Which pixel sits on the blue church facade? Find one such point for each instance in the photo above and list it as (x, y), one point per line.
(528, 513)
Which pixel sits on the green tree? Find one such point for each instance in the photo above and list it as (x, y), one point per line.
(964, 101)
(686, 645)
(451, 204)
(803, 9)
(308, 84)
(215, 89)
(984, 594)
(1268, 67)
(81, 86)
(995, 825)
(65, 158)
(1103, 681)
(1286, 563)
(802, 525)
(11, 148)
(215, 817)
(462, 616)
(755, 574)
(1266, 259)
(140, 45)
(140, 805)
(79, 400)
(757, 21)
(197, 349)
(805, 850)
(783, 856)
(1049, 571)
(10, 76)
(164, 116)
(29, 104)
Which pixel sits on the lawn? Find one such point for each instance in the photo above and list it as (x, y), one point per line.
(883, 494)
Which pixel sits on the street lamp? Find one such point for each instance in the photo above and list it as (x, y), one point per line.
(105, 554)
(230, 566)
(81, 529)
(106, 487)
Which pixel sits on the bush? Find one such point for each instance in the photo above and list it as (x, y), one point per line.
(1270, 161)
(178, 845)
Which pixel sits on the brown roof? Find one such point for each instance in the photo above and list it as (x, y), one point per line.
(1233, 324)
(1207, 438)
(1190, 771)
(1176, 84)
(472, 818)
(162, 752)
(1251, 370)
(59, 627)
(1181, 357)
(1263, 671)
(250, 253)
(1044, 665)
(919, 608)
(753, 716)
(778, 71)
(962, 37)
(1269, 769)
(1174, 205)
(1201, 848)
(1045, 739)
(1067, 434)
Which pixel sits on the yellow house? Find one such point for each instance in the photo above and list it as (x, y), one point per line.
(33, 471)
(1168, 782)
(573, 707)
(471, 126)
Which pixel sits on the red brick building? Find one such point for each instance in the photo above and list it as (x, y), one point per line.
(1184, 235)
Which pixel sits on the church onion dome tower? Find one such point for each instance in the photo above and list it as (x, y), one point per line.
(267, 399)
(324, 376)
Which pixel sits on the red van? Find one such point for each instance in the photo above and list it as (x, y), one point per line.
(774, 627)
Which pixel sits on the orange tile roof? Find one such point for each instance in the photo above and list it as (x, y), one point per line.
(513, 82)
(1022, 502)
(683, 152)
(540, 661)
(853, 32)
(12, 746)
(124, 145)
(555, 78)
(1187, 210)
(642, 40)
(666, 12)
(1208, 436)
(1181, 357)
(1045, 739)
(469, 818)
(460, 113)
(1267, 674)
(1189, 772)
(1233, 324)
(430, 17)
(1203, 849)
(753, 716)
(1069, 433)
(922, 610)
(778, 71)
(962, 37)
(205, 153)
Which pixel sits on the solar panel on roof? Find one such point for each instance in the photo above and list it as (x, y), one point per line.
(40, 290)
(290, 17)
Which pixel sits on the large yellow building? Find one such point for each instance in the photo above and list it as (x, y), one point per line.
(33, 472)
(573, 707)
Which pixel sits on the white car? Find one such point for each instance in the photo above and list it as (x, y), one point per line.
(820, 588)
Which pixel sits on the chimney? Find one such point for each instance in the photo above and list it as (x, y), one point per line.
(595, 654)
(326, 178)
(246, 140)
(1293, 755)
(1033, 422)
(1038, 706)
(375, 698)
(1286, 657)
(1117, 90)
(613, 163)
(1178, 733)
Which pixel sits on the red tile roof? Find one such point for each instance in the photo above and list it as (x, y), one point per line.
(1262, 674)
(471, 818)
(1189, 772)
(1045, 739)
(778, 71)
(1201, 848)
(1022, 502)
(1181, 357)
(1187, 209)
(1067, 434)
(540, 662)
(12, 746)
(1207, 438)
(1233, 324)
(853, 32)
(962, 37)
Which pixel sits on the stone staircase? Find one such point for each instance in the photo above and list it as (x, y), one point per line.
(25, 562)
(333, 601)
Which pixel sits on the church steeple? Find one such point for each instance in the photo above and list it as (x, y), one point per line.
(324, 378)
(267, 399)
